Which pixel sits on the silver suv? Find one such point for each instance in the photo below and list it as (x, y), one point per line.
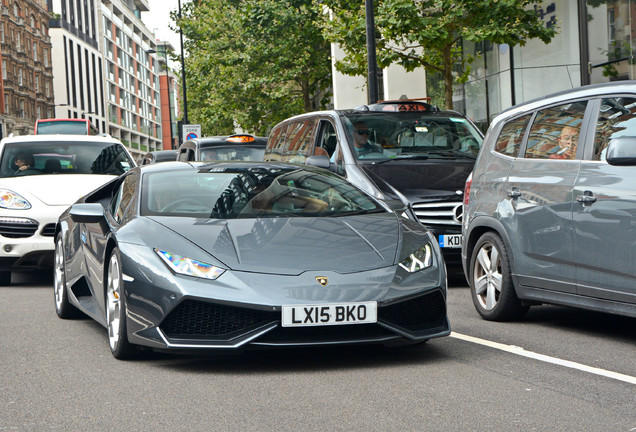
(550, 208)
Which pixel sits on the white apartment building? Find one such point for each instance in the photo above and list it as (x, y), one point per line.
(102, 69)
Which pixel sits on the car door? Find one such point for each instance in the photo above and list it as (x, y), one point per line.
(122, 207)
(540, 185)
(605, 210)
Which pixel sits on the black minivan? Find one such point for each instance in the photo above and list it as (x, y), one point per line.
(406, 150)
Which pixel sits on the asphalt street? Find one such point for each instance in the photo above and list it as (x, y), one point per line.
(59, 375)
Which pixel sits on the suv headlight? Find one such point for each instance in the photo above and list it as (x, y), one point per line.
(418, 260)
(189, 267)
(13, 201)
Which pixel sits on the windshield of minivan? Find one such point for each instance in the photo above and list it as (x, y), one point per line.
(411, 135)
(61, 157)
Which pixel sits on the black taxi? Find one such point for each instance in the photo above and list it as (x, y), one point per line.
(242, 147)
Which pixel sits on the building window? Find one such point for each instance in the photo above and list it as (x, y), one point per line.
(45, 57)
(37, 84)
(35, 51)
(46, 89)
(4, 69)
(21, 109)
(38, 112)
(2, 32)
(20, 76)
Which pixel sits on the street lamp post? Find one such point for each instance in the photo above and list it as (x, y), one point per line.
(183, 74)
(372, 66)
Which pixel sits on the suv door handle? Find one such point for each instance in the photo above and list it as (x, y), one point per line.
(587, 198)
(514, 193)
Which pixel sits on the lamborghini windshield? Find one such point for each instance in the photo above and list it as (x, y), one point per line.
(240, 193)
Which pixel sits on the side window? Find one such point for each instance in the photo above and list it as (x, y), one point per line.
(300, 138)
(555, 132)
(617, 118)
(276, 143)
(183, 155)
(327, 140)
(509, 140)
(191, 155)
(123, 204)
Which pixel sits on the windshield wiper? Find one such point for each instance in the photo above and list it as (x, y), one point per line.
(356, 212)
(402, 157)
(452, 154)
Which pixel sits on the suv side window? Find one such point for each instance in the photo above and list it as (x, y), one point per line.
(276, 143)
(555, 131)
(509, 140)
(328, 140)
(300, 136)
(616, 118)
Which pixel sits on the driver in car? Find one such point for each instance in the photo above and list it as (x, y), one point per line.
(361, 143)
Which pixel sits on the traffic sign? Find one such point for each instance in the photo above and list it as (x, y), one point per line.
(191, 131)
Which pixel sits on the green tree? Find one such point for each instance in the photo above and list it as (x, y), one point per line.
(253, 63)
(429, 33)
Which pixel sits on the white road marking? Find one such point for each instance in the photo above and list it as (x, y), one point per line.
(545, 358)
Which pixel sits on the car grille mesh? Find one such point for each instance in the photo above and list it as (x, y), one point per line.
(439, 213)
(421, 313)
(200, 320)
(17, 227)
(48, 230)
(208, 321)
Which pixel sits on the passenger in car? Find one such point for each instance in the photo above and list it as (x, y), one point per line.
(567, 141)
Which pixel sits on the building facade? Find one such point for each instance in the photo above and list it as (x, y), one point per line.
(596, 42)
(26, 87)
(169, 89)
(104, 69)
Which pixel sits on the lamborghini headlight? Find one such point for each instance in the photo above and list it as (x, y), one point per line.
(190, 267)
(418, 260)
(13, 201)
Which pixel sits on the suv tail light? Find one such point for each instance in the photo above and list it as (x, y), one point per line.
(469, 182)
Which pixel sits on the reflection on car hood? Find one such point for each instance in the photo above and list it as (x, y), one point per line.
(421, 180)
(297, 244)
(55, 189)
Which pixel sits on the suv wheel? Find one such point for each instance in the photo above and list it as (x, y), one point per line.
(491, 282)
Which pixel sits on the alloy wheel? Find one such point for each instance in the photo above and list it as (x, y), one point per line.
(487, 276)
(113, 294)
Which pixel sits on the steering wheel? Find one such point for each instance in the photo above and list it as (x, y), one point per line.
(189, 205)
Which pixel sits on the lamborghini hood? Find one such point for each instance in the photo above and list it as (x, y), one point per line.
(291, 246)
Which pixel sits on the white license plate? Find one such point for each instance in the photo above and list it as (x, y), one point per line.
(330, 314)
(450, 241)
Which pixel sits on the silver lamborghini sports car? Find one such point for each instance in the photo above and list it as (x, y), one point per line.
(231, 255)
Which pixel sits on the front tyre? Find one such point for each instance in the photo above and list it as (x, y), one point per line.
(116, 310)
(491, 285)
(63, 307)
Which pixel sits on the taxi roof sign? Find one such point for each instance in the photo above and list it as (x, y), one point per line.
(240, 138)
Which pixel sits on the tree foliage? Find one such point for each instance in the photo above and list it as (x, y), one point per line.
(429, 33)
(253, 63)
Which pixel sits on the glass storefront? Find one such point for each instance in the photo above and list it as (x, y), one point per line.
(503, 75)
